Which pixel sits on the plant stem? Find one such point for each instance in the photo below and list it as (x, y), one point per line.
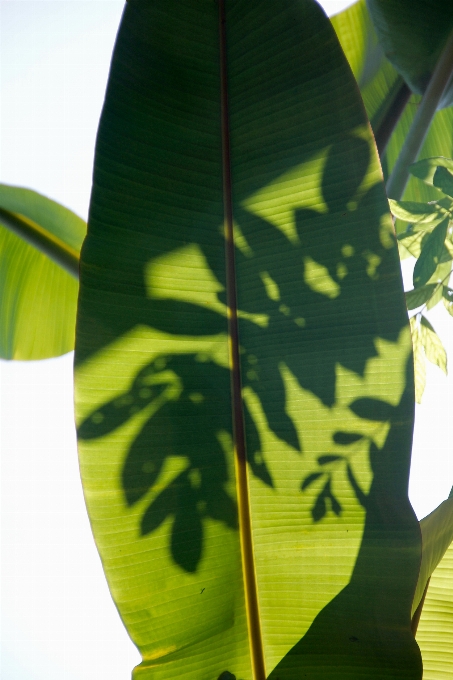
(422, 120)
(389, 120)
(48, 244)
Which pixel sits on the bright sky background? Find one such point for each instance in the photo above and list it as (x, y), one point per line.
(58, 620)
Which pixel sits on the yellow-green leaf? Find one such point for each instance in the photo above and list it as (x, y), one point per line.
(38, 296)
(434, 350)
(419, 359)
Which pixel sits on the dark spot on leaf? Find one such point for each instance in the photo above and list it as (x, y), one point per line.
(346, 438)
(372, 409)
(323, 460)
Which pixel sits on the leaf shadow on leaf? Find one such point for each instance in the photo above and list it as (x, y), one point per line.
(326, 292)
(365, 629)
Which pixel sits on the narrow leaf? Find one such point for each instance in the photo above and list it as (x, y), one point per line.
(434, 350)
(419, 360)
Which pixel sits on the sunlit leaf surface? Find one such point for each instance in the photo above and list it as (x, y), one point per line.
(324, 344)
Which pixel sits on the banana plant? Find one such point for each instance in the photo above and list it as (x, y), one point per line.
(244, 361)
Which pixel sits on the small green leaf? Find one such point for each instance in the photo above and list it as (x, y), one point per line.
(426, 168)
(418, 296)
(437, 535)
(430, 256)
(418, 213)
(443, 180)
(434, 349)
(419, 360)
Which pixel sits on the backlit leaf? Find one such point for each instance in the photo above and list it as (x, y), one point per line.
(434, 350)
(418, 296)
(430, 255)
(419, 360)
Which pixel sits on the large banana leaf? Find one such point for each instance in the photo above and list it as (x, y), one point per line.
(38, 295)
(255, 529)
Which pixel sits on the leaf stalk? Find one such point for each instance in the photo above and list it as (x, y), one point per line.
(420, 125)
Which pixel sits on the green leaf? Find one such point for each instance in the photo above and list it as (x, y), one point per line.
(427, 168)
(434, 350)
(443, 180)
(39, 297)
(418, 296)
(419, 359)
(410, 244)
(430, 255)
(437, 535)
(435, 298)
(201, 528)
(416, 213)
(435, 632)
(413, 35)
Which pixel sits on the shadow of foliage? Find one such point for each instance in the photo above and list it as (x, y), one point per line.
(320, 295)
(365, 629)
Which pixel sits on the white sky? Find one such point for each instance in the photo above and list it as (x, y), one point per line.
(58, 620)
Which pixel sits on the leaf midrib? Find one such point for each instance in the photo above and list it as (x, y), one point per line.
(245, 528)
